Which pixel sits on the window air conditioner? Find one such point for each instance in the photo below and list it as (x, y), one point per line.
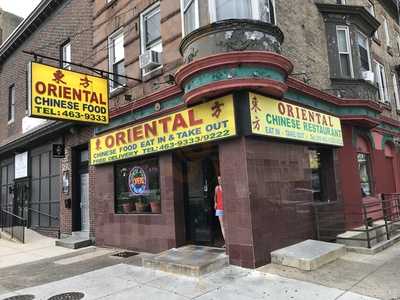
(368, 76)
(150, 59)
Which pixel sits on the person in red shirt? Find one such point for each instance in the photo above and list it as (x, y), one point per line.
(219, 205)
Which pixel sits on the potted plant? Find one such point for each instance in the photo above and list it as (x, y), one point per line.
(127, 205)
(155, 204)
(140, 205)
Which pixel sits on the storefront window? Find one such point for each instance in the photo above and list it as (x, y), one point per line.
(138, 187)
(365, 178)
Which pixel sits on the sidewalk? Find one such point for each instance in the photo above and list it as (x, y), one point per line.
(36, 247)
(372, 275)
(123, 281)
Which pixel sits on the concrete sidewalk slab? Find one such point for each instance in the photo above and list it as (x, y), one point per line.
(124, 281)
(37, 247)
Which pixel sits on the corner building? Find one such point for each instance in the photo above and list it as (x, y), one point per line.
(291, 104)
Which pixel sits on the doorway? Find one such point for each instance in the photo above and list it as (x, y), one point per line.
(80, 207)
(200, 171)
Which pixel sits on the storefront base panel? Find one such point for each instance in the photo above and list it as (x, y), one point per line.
(260, 182)
(150, 233)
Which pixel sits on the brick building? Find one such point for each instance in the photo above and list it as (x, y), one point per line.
(30, 175)
(291, 103)
(278, 56)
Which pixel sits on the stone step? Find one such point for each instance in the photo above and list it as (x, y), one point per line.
(189, 260)
(356, 238)
(308, 255)
(74, 242)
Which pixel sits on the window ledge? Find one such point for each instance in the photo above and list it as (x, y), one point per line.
(118, 91)
(386, 105)
(398, 111)
(152, 74)
(111, 3)
(11, 122)
(389, 50)
(378, 41)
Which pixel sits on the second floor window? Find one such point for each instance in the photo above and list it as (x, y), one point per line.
(380, 79)
(116, 58)
(363, 48)
(11, 104)
(344, 48)
(263, 10)
(66, 55)
(150, 21)
(386, 30)
(371, 9)
(190, 15)
(396, 91)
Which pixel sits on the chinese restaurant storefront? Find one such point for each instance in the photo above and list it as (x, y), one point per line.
(155, 179)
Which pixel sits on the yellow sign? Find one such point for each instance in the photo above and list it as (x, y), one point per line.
(284, 120)
(65, 95)
(206, 122)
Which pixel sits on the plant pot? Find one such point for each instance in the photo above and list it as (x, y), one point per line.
(155, 207)
(140, 207)
(127, 207)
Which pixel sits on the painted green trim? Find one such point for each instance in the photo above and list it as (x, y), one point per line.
(389, 127)
(363, 133)
(241, 72)
(386, 138)
(139, 114)
(328, 107)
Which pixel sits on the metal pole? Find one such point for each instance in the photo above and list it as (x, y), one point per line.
(366, 226)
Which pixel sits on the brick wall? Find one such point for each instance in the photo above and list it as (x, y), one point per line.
(64, 23)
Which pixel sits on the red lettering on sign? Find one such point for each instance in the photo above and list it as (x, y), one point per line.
(164, 122)
(324, 122)
(137, 133)
(109, 141)
(179, 121)
(40, 87)
(52, 90)
(150, 129)
(94, 99)
(311, 117)
(77, 94)
(192, 119)
(120, 138)
(304, 114)
(330, 121)
(290, 111)
(67, 92)
(281, 108)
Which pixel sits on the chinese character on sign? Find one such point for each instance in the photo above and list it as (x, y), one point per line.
(216, 108)
(256, 123)
(58, 76)
(97, 144)
(85, 82)
(254, 103)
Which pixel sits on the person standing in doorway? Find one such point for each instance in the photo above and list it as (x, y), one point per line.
(219, 205)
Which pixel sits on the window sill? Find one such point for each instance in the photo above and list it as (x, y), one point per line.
(386, 105)
(9, 123)
(389, 50)
(153, 74)
(110, 3)
(377, 41)
(118, 91)
(398, 111)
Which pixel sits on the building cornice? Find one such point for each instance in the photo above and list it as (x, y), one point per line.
(27, 27)
(358, 15)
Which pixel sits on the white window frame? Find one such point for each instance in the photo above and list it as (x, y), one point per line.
(197, 13)
(111, 50)
(371, 9)
(396, 90)
(255, 10)
(379, 71)
(398, 44)
(386, 30)
(156, 46)
(368, 50)
(11, 97)
(66, 51)
(349, 52)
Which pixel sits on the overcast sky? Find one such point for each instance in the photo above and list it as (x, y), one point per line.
(21, 8)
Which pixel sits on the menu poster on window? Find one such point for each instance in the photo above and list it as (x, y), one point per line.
(21, 165)
(281, 119)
